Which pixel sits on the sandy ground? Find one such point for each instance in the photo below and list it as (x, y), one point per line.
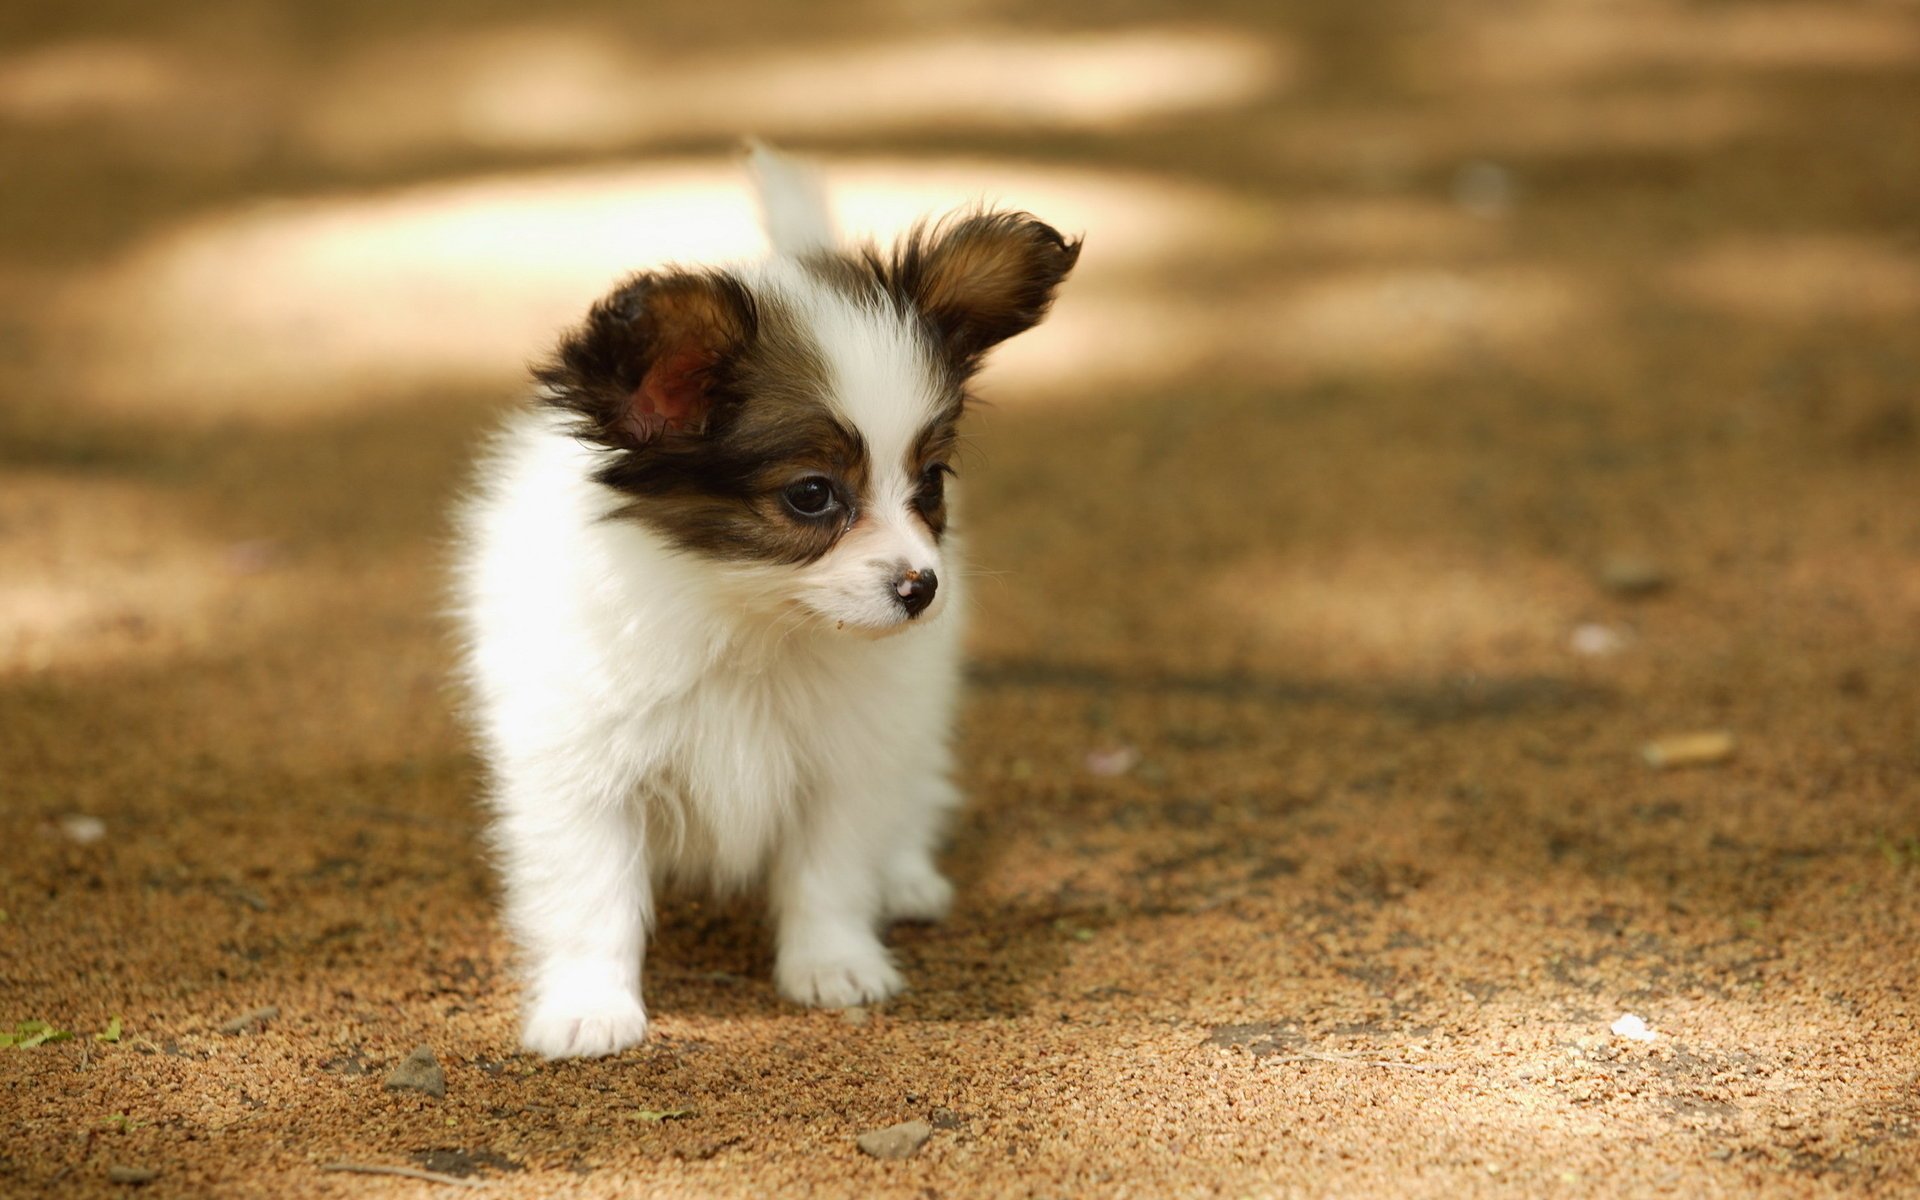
(1455, 399)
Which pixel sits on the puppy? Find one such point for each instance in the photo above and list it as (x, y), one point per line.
(710, 589)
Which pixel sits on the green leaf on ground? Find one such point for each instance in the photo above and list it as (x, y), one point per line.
(28, 1034)
(1903, 853)
(111, 1033)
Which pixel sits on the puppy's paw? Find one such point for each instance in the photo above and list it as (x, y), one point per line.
(585, 1026)
(915, 891)
(842, 981)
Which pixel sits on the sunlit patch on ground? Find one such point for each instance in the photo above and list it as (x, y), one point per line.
(1388, 320)
(579, 88)
(1358, 322)
(138, 104)
(1385, 228)
(1552, 45)
(94, 572)
(1350, 614)
(1806, 279)
(101, 574)
(301, 307)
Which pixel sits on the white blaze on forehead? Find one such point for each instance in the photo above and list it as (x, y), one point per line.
(884, 382)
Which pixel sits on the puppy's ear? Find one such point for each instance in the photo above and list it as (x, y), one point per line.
(652, 357)
(981, 278)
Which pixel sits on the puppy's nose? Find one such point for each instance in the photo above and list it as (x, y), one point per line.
(915, 590)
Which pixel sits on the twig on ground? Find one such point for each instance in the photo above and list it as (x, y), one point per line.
(409, 1172)
(1349, 1060)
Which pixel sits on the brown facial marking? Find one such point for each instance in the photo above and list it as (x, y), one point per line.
(930, 463)
(712, 408)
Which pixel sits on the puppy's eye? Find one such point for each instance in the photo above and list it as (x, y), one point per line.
(933, 485)
(810, 497)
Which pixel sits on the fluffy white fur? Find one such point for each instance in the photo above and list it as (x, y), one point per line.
(651, 715)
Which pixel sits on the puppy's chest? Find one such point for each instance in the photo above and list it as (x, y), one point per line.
(745, 739)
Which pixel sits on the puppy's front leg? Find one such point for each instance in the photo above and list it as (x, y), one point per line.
(580, 900)
(827, 897)
(912, 887)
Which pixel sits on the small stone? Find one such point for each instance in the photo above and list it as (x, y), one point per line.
(1596, 641)
(419, 1072)
(1689, 749)
(246, 1021)
(856, 1015)
(1627, 575)
(1633, 1028)
(82, 829)
(132, 1175)
(1112, 761)
(896, 1141)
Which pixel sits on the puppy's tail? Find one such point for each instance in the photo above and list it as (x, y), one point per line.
(793, 204)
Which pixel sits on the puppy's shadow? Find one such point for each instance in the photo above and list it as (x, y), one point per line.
(715, 956)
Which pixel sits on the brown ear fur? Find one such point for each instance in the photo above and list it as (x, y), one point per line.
(980, 278)
(652, 357)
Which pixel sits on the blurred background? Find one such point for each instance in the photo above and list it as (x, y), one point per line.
(1453, 399)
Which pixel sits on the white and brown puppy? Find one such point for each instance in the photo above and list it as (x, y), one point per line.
(709, 589)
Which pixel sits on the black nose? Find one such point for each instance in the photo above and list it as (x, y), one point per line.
(915, 590)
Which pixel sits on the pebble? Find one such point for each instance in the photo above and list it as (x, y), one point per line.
(1596, 641)
(132, 1175)
(1689, 749)
(896, 1141)
(419, 1072)
(856, 1015)
(83, 829)
(246, 1021)
(1626, 575)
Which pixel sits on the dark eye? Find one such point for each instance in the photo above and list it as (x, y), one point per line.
(810, 497)
(933, 485)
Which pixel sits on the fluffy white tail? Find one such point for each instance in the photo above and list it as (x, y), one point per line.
(793, 203)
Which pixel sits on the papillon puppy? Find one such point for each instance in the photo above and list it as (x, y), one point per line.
(710, 589)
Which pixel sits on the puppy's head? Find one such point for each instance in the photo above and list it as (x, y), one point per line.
(796, 421)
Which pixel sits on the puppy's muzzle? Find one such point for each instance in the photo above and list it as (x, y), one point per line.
(914, 589)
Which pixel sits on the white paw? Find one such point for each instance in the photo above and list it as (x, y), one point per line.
(916, 893)
(585, 1026)
(866, 977)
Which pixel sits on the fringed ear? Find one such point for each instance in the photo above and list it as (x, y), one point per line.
(981, 278)
(651, 358)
